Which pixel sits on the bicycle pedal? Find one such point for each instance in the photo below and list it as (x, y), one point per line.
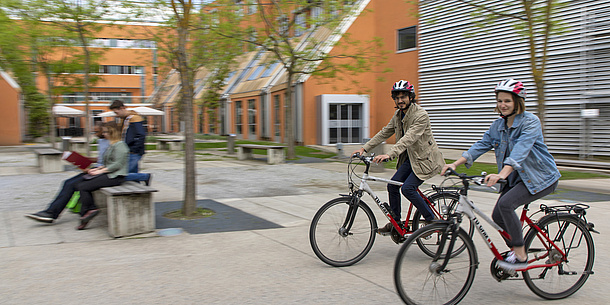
(384, 233)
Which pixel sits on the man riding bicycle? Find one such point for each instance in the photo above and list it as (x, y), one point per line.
(418, 155)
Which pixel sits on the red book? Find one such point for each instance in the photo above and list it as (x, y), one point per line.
(77, 159)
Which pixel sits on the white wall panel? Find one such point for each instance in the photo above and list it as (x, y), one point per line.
(460, 63)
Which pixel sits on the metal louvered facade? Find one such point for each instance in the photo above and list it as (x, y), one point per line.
(460, 63)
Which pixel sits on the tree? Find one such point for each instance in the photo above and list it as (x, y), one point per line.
(14, 56)
(187, 44)
(536, 21)
(83, 19)
(284, 27)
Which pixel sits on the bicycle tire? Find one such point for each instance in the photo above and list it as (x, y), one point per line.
(445, 203)
(416, 278)
(335, 248)
(576, 241)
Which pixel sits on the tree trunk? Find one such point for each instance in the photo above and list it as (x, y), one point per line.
(83, 40)
(51, 104)
(190, 204)
(541, 107)
(290, 138)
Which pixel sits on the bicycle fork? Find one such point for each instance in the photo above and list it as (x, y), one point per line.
(450, 230)
(351, 215)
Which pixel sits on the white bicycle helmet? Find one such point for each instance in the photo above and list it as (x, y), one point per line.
(403, 86)
(512, 86)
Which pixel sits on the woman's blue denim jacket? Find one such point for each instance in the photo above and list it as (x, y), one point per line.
(528, 154)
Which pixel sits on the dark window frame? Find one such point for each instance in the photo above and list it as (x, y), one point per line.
(402, 43)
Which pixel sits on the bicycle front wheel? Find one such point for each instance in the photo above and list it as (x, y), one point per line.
(335, 244)
(421, 279)
(570, 234)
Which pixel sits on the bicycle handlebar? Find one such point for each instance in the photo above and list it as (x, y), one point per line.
(366, 159)
(477, 179)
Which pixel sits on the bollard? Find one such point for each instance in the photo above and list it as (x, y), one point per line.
(340, 151)
(65, 143)
(376, 168)
(231, 144)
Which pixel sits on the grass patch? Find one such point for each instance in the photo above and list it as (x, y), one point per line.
(477, 168)
(210, 137)
(210, 145)
(305, 151)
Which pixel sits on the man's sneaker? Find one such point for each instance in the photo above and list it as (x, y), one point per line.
(511, 262)
(41, 216)
(148, 180)
(385, 229)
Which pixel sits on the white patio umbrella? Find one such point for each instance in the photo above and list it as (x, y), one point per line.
(140, 110)
(67, 111)
(147, 111)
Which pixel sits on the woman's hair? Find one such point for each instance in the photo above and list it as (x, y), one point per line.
(519, 103)
(114, 131)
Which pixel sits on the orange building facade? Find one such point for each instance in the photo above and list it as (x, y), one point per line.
(128, 70)
(11, 106)
(326, 111)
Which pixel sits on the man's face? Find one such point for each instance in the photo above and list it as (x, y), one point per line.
(402, 100)
(121, 112)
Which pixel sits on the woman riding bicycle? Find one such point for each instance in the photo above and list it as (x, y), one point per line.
(418, 155)
(523, 160)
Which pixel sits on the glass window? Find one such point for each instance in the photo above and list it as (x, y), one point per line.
(238, 117)
(267, 72)
(256, 72)
(276, 114)
(252, 117)
(300, 25)
(407, 38)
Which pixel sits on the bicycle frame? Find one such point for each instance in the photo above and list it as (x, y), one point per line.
(467, 207)
(364, 187)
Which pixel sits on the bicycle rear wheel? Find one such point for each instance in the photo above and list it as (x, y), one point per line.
(570, 234)
(330, 240)
(445, 203)
(418, 277)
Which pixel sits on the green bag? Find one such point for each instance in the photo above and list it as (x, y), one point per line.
(74, 203)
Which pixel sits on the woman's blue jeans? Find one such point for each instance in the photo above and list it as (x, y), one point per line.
(411, 182)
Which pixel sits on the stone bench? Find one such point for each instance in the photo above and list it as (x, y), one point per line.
(49, 160)
(169, 144)
(130, 208)
(78, 146)
(275, 154)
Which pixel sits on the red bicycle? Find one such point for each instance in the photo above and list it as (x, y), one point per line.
(559, 246)
(343, 230)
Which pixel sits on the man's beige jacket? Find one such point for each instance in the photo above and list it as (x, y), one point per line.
(413, 135)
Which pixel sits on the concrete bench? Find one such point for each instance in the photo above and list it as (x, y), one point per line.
(169, 144)
(275, 154)
(78, 146)
(49, 160)
(130, 208)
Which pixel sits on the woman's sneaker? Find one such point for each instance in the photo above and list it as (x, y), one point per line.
(511, 262)
(41, 216)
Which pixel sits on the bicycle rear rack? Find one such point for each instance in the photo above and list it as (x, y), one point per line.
(577, 208)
